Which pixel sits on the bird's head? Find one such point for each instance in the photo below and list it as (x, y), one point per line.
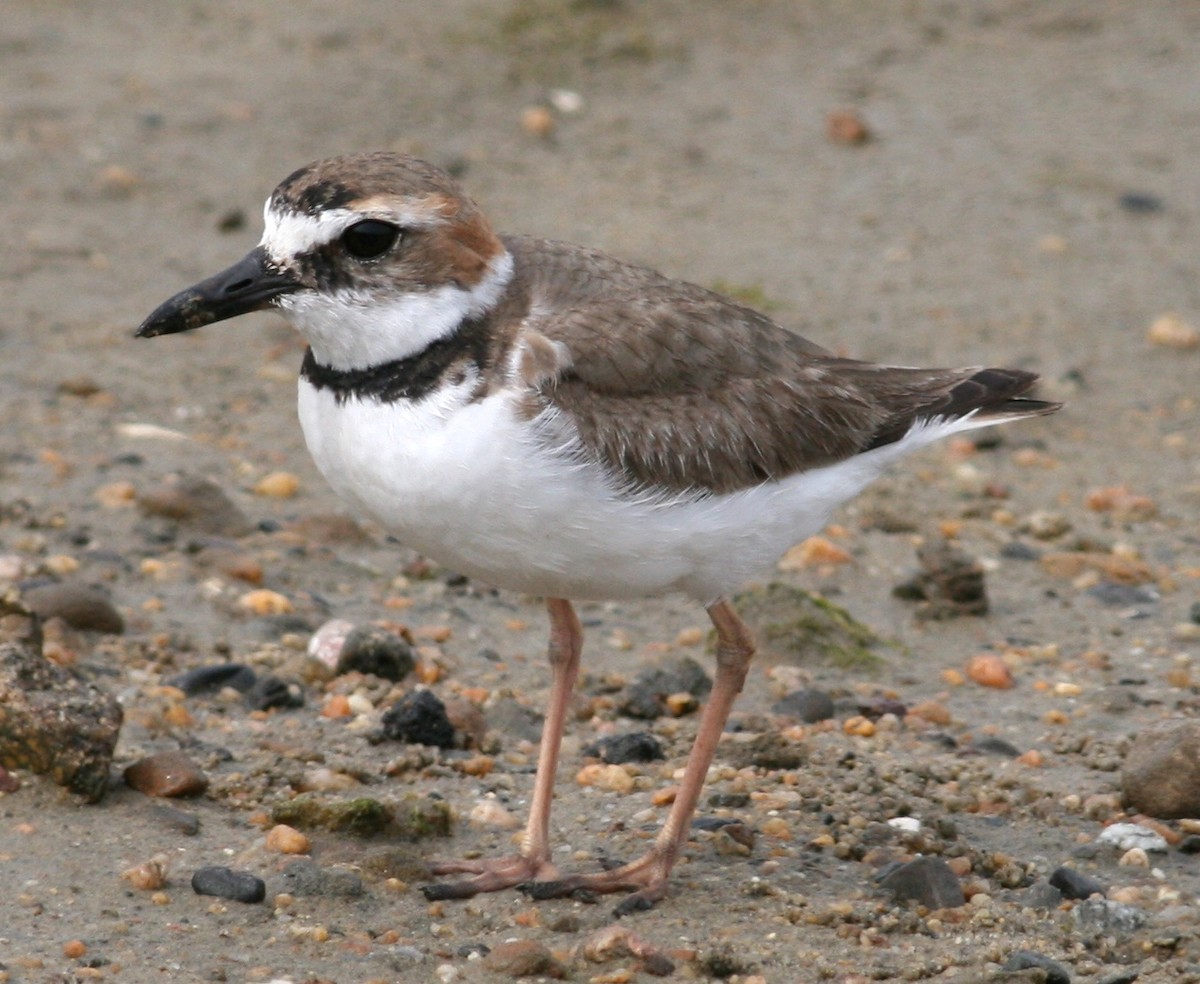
(371, 257)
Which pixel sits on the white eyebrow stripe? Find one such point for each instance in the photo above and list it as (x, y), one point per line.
(288, 234)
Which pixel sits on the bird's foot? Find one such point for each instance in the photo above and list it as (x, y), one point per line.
(645, 879)
(490, 875)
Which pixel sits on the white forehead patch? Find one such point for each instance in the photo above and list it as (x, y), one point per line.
(287, 234)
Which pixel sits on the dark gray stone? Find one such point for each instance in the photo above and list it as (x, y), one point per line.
(1075, 885)
(1056, 973)
(207, 679)
(225, 883)
(927, 881)
(809, 706)
(369, 649)
(419, 718)
(645, 698)
(638, 746)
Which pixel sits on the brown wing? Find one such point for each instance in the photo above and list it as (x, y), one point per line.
(675, 387)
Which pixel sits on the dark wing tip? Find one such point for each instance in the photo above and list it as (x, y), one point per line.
(995, 392)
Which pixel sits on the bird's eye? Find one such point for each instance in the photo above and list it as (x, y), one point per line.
(370, 238)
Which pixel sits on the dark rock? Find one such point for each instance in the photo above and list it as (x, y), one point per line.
(369, 649)
(51, 722)
(645, 698)
(1190, 844)
(206, 679)
(1113, 595)
(766, 751)
(419, 718)
(1018, 550)
(198, 503)
(186, 823)
(1056, 973)
(639, 746)
(927, 881)
(1141, 203)
(877, 707)
(271, 691)
(166, 774)
(1161, 776)
(949, 584)
(1194, 613)
(1040, 895)
(1105, 916)
(225, 883)
(80, 606)
(729, 801)
(809, 706)
(307, 878)
(8, 782)
(1075, 885)
(991, 745)
(523, 958)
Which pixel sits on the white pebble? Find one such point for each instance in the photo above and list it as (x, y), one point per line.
(1127, 836)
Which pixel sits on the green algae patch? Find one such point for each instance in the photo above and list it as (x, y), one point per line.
(410, 818)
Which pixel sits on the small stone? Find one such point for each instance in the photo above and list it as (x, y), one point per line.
(1161, 775)
(80, 606)
(225, 883)
(1141, 203)
(271, 691)
(1055, 973)
(846, 127)
(8, 782)
(1171, 331)
(51, 722)
(1041, 895)
(991, 745)
(306, 878)
(1106, 916)
(816, 551)
(210, 679)
(927, 881)
(638, 746)
(523, 958)
(933, 711)
(74, 949)
(538, 121)
(769, 750)
(419, 718)
(1112, 595)
(198, 503)
(647, 696)
(490, 813)
(1135, 857)
(277, 485)
(185, 823)
(1128, 836)
(950, 583)
(265, 602)
(809, 706)
(166, 774)
(287, 840)
(368, 649)
(990, 670)
(149, 876)
(1074, 885)
(1045, 525)
(611, 777)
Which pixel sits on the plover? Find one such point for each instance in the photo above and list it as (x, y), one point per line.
(554, 421)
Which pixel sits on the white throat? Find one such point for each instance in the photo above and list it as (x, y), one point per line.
(357, 329)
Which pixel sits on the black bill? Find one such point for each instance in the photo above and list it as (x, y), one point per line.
(249, 285)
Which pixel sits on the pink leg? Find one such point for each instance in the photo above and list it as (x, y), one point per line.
(533, 860)
(647, 876)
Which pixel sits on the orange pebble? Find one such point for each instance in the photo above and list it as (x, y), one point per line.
(74, 949)
(989, 670)
(338, 706)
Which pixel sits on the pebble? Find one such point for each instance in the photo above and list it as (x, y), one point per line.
(1112, 595)
(1161, 774)
(185, 823)
(277, 485)
(209, 679)
(149, 876)
(325, 645)
(925, 880)
(949, 584)
(611, 777)
(646, 697)
(523, 958)
(51, 721)
(265, 602)
(166, 774)
(225, 883)
(1171, 331)
(8, 782)
(846, 127)
(271, 691)
(1106, 916)
(419, 718)
(768, 750)
(305, 877)
(369, 649)
(81, 607)
(1127, 836)
(638, 746)
(287, 840)
(196, 502)
(1041, 895)
(1075, 885)
(809, 706)
(491, 813)
(1055, 973)
(991, 745)
(990, 670)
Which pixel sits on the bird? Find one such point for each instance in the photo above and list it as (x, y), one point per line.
(548, 419)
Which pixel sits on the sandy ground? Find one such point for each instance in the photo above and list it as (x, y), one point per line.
(1028, 197)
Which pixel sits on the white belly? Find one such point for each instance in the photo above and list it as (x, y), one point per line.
(468, 485)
